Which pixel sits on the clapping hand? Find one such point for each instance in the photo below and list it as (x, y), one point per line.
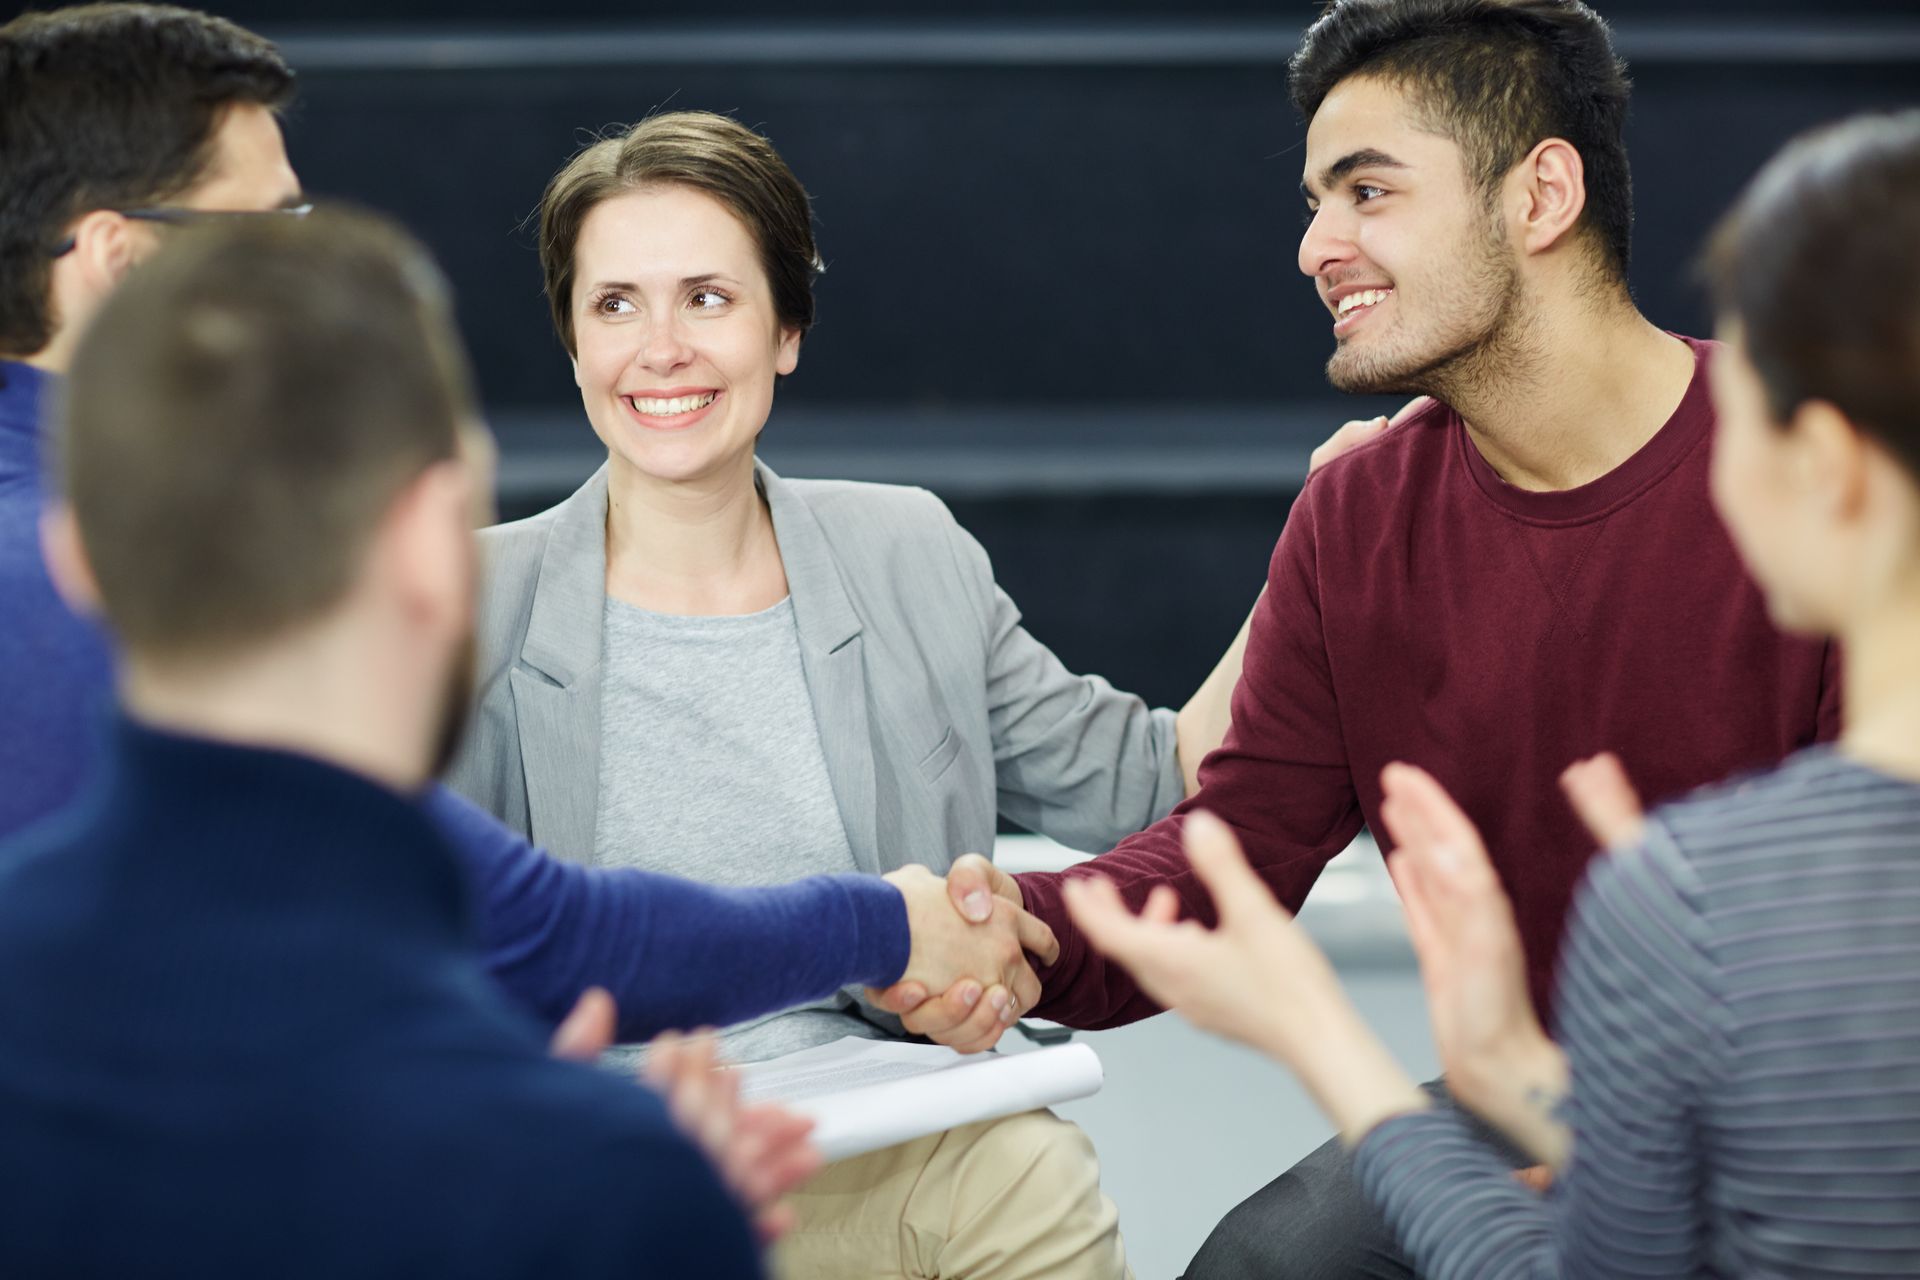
(1257, 978)
(1605, 800)
(1246, 979)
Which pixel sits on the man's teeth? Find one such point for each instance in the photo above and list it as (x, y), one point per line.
(670, 408)
(1364, 298)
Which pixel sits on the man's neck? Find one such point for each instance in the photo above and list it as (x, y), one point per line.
(55, 358)
(285, 700)
(1586, 387)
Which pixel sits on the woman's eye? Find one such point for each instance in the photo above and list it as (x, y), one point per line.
(613, 305)
(1363, 193)
(709, 299)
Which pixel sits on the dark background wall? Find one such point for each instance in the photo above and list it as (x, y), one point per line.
(1060, 235)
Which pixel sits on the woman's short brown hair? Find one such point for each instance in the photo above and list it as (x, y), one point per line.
(1819, 262)
(708, 153)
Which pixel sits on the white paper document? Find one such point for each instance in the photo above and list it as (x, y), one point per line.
(867, 1094)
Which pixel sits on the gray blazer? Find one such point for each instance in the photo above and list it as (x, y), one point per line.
(936, 709)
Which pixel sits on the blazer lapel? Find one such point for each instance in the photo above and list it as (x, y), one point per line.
(834, 662)
(556, 687)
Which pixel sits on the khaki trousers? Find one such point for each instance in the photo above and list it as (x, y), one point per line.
(1005, 1199)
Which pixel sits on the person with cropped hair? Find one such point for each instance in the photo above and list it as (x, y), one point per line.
(245, 1031)
(1526, 570)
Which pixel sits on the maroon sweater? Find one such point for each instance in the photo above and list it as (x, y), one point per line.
(1420, 608)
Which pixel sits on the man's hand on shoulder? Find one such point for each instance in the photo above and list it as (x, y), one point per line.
(968, 978)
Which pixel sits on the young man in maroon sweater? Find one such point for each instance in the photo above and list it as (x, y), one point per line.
(1523, 572)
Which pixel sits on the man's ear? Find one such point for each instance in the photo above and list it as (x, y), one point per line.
(106, 246)
(1551, 194)
(425, 541)
(65, 556)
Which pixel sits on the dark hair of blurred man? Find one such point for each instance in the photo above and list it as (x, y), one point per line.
(116, 122)
(256, 1042)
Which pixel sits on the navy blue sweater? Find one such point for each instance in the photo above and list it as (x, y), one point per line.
(672, 952)
(242, 1033)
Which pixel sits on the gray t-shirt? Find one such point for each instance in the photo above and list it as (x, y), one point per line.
(711, 768)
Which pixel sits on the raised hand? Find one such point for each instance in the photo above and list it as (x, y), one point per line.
(969, 942)
(1237, 980)
(1257, 977)
(761, 1152)
(1498, 1060)
(1605, 800)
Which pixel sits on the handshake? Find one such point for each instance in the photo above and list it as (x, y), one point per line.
(968, 977)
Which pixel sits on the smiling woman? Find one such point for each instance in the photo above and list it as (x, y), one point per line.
(694, 666)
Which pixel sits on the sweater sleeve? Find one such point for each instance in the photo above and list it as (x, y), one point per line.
(1643, 1029)
(674, 953)
(1280, 779)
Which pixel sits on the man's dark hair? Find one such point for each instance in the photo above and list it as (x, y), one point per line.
(108, 106)
(1819, 262)
(1497, 77)
(241, 418)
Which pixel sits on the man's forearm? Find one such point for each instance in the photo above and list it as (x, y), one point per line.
(674, 953)
(1082, 988)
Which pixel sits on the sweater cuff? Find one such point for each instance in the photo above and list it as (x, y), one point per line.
(882, 939)
(1040, 893)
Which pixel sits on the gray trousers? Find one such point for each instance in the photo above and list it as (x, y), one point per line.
(1313, 1222)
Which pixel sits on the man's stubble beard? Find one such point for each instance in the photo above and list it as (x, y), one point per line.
(1480, 345)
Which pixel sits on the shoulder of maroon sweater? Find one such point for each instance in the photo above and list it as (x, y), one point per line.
(1412, 448)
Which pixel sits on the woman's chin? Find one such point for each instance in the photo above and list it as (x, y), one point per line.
(682, 462)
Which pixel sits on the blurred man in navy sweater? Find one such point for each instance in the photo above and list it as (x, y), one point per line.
(244, 1030)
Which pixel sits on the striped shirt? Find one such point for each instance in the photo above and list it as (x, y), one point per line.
(1740, 1008)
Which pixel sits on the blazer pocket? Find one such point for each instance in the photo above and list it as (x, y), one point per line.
(937, 761)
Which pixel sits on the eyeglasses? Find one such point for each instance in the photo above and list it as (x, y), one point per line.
(175, 216)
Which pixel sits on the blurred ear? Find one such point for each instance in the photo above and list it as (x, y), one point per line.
(65, 556)
(787, 358)
(1552, 194)
(106, 246)
(424, 551)
(482, 457)
(1830, 459)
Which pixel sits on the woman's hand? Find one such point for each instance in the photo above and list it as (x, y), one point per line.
(1257, 978)
(1498, 1060)
(1602, 795)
